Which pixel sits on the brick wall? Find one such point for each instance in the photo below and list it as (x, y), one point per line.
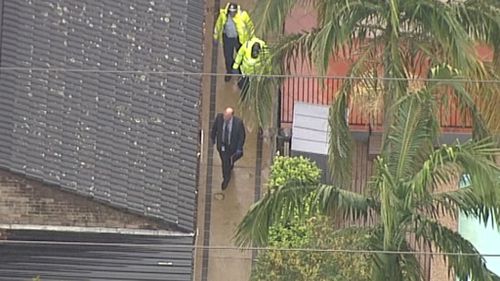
(25, 201)
(439, 267)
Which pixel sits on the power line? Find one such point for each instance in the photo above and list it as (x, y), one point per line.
(311, 250)
(185, 73)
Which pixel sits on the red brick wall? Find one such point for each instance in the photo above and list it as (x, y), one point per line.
(29, 202)
(439, 267)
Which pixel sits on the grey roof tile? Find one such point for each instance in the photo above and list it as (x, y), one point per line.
(90, 112)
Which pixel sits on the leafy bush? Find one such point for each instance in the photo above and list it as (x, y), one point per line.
(315, 233)
(294, 169)
(286, 169)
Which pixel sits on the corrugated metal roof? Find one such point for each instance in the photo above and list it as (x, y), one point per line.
(103, 257)
(310, 128)
(127, 139)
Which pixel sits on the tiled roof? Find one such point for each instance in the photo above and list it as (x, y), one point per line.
(128, 139)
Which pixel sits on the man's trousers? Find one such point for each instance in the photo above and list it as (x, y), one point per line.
(231, 47)
(227, 165)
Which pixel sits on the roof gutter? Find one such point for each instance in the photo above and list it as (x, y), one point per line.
(85, 229)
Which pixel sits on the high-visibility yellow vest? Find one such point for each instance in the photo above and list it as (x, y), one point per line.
(244, 60)
(242, 21)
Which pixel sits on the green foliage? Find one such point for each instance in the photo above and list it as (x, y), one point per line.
(408, 193)
(314, 233)
(298, 169)
(295, 169)
(294, 194)
(283, 171)
(390, 42)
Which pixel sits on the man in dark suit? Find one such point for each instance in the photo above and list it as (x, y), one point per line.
(228, 132)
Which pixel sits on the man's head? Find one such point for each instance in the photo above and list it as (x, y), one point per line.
(256, 50)
(228, 113)
(232, 9)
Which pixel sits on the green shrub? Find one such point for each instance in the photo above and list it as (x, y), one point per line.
(293, 169)
(315, 233)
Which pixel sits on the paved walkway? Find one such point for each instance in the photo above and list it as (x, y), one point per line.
(217, 219)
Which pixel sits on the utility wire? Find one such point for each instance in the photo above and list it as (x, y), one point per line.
(312, 250)
(184, 73)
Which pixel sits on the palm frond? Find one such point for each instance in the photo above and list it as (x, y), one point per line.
(496, 50)
(446, 165)
(453, 79)
(280, 204)
(386, 186)
(481, 99)
(480, 19)
(340, 139)
(455, 45)
(257, 100)
(292, 49)
(339, 29)
(386, 266)
(411, 134)
(340, 142)
(410, 265)
(467, 202)
(337, 202)
(462, 257)
(277, 206)
(342, 26)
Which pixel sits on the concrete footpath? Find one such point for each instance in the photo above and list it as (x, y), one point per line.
(217, 219)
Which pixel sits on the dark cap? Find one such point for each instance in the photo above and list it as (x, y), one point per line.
(256, 50)
(233, 7)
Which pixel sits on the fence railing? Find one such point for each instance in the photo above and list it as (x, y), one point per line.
(322, 91)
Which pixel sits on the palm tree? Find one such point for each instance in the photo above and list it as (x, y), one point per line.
(395, 41)
(405, 193)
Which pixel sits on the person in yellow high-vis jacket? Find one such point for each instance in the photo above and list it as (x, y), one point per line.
(250, 59)
(235, 27)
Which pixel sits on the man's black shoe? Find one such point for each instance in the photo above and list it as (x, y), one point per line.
(224, 185)
(227, 78)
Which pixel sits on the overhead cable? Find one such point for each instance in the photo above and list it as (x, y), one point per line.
(235, 248)
(184, 73)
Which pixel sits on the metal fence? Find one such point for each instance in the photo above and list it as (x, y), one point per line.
(322, 91)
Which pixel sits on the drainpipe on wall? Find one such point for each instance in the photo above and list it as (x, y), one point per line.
(273, 131)
(276, 133)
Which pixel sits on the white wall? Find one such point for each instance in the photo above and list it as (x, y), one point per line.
(485, 238)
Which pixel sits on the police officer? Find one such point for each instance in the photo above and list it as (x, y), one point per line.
(236, 27)
(250, 59)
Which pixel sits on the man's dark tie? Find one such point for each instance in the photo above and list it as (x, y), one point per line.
(225, 139)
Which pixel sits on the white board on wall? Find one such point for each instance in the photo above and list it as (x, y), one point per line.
(310, 128)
